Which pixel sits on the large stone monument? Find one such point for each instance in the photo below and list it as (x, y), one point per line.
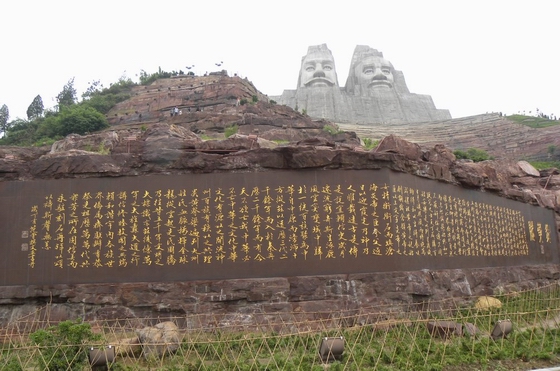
(375, 93)
(318, 91)
(317, 68)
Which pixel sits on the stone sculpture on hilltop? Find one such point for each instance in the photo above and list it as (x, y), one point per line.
(375, 93)
(371, 73)
(317, 68)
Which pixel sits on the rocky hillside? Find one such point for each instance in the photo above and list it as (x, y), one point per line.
(209, 104)
(499, 136)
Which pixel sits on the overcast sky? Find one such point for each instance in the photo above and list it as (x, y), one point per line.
(471, 56)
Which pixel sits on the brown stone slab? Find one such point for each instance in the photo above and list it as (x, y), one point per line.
(259, 224)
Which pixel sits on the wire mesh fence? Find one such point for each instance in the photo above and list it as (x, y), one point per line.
(427, 335)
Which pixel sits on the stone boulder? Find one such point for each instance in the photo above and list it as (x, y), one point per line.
(440, 154)
(160, 340)
(528, 169)
(487, 302)
(394, 144)
(469, 174)
(164, 143)
(101, 143)
(444, 329)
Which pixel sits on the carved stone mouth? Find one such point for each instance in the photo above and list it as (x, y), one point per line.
(319, 81)
(376, 83)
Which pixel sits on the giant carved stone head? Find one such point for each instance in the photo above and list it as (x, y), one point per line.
(369, 72)
(374, 72)
(317, 68)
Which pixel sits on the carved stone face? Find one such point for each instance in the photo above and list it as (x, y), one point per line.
(317, 70)
(374, 72)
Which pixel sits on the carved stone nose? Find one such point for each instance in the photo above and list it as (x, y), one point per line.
(379, 76)
(319, 74)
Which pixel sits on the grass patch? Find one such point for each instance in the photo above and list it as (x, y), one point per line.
(474, 154)
(332, 129)
(541, 165)
(533, 122)
(230, 130)
(370, 144)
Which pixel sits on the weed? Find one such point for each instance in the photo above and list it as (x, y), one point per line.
(331, 129)
(370, 144)
(230, 130)
(103, 150)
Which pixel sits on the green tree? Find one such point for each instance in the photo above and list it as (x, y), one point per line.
(20, 133)
(47, 127)
(36, 108)
(93, 88)
(67, 96)
(79, 120)
(146, 78)
(4, 117)
(103, 99)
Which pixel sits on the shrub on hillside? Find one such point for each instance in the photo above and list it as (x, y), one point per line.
(474, 154)
(79, 120)
(63, 347)
(230, 130)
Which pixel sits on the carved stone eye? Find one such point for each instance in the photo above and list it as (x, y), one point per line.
(327, 68)
(368, 71)
(310, 68)
(386, 71)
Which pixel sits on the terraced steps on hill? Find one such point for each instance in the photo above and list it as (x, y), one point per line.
(153, 103)
(209, 105)
(500, 137)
